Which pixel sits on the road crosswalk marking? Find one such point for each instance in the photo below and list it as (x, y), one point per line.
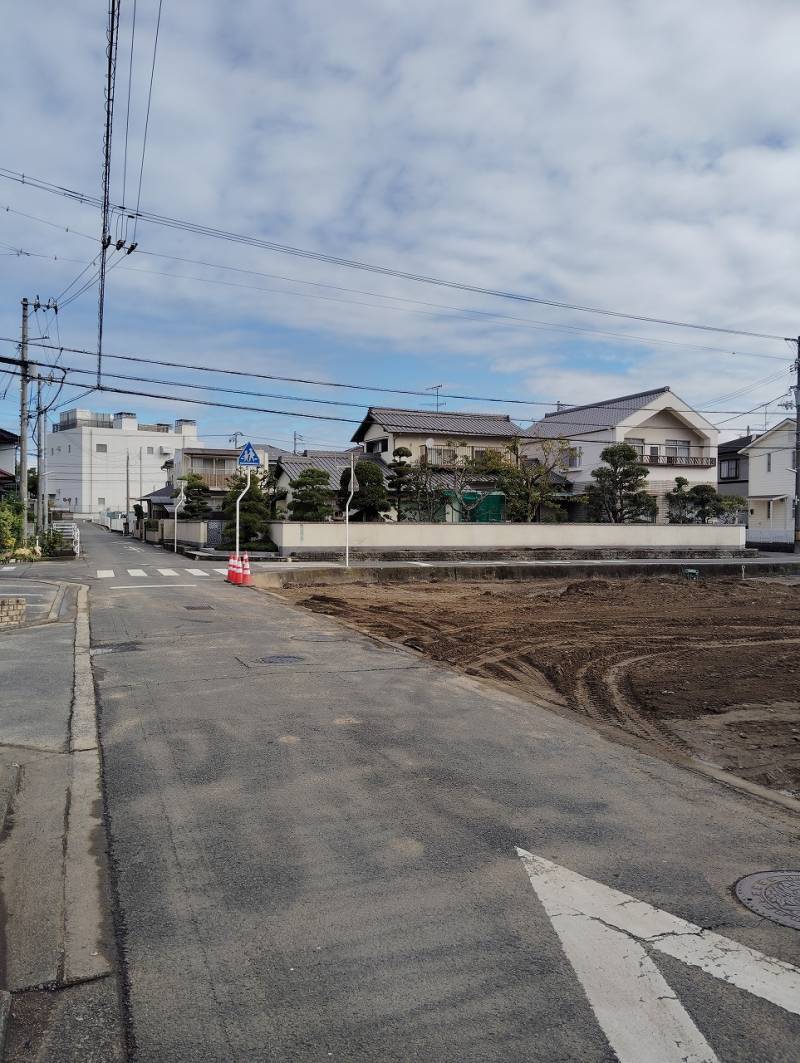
(110, 573)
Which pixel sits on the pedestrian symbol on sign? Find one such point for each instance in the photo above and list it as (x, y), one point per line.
(248, 459)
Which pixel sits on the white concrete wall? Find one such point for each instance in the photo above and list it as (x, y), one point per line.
(296, 535)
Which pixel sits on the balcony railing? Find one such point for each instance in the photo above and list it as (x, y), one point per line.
(450, 457)
(686, 460)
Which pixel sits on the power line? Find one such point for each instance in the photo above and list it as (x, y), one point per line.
(128, 105)
(147, 117)
(252, 374)
(318, 256)
(112, 33)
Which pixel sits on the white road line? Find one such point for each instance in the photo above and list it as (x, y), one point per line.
(148, 586)
(197, 571)
(422, 564)
(136, 572)
(639, 1013)
(7, 568)
(222, 571)
(136, 549)
(167, 572)
(105, 573)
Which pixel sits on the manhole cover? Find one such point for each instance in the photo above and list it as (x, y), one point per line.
(773, 894)
(279, 658)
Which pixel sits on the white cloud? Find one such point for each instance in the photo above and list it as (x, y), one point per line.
(642, 157)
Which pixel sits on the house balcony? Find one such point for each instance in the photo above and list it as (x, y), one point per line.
(452, 457)
(217, 480)
(684, 460)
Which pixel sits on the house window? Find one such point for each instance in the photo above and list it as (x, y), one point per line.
(677, 448)
(150, 450)
(101, 448)
(101, 501)
(729, 469)
(769, 462)
(575, 457)
(377, 446)
(638, 446)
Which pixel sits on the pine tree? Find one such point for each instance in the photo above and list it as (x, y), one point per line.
(196, 495)
(618, 494)
(371, 499)
(253, 510)
(311, 496)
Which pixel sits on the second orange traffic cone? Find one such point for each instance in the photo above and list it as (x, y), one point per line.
(246, 579)
(234, 569)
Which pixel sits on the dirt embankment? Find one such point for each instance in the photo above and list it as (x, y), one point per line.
(711, 668)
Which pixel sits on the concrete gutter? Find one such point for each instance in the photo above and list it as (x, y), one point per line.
(306, 577)
(85, 906)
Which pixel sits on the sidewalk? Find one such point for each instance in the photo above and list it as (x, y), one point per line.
(57, 958)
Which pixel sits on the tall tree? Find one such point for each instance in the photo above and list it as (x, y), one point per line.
(311, 496)
(400, 486)
(531, 485)
(618, 494)
(679, 503)
(196, 495)
(371, 499)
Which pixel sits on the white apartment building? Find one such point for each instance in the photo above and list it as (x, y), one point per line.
(100, 462)
(771, 483)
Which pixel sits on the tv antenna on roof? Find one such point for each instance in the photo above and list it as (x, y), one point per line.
(436, 388)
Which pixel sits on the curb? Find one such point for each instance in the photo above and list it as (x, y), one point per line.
(5, 1015)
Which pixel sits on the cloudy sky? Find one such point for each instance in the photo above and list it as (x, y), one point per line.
(634, 156)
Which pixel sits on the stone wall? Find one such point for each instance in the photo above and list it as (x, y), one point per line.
(12, 612)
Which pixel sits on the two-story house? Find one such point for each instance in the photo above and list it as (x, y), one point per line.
(733, 470)
(670, 438)
(215, 466)
(440, 439)
(770, 496)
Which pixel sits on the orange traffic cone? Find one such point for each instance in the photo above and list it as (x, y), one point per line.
(247, 579)
(234, 569)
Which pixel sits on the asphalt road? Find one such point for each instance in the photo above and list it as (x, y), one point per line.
(314, 838)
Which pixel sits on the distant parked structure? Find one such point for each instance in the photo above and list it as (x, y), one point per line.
(100, 462)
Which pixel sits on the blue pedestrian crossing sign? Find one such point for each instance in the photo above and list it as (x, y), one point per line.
(248, 459)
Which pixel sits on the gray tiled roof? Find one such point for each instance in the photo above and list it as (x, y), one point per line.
(733, 446)
(453, 425)
(333, 464)
(576, 420)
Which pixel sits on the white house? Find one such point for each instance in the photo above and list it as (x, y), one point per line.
(771, 459)
(98, 462)
(670, 437)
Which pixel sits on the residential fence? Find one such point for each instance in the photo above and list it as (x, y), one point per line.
(299, 537)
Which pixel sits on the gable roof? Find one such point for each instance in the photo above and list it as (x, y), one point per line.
(453, 424)
(733, 446)
(8, 437)
(787, 422)
(576, 420)
(334, 464)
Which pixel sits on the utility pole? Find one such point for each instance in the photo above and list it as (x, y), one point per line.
(797, 451)
(41, 432)
(141, 479)
(23, 419)
(127, 483)
(235, 439)
(294, 442)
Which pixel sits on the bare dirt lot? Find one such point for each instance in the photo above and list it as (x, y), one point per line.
(710, 668)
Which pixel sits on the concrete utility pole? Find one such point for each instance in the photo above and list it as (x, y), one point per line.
(41, 465)
(127, 483)
(797, 451)
(23, 419)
